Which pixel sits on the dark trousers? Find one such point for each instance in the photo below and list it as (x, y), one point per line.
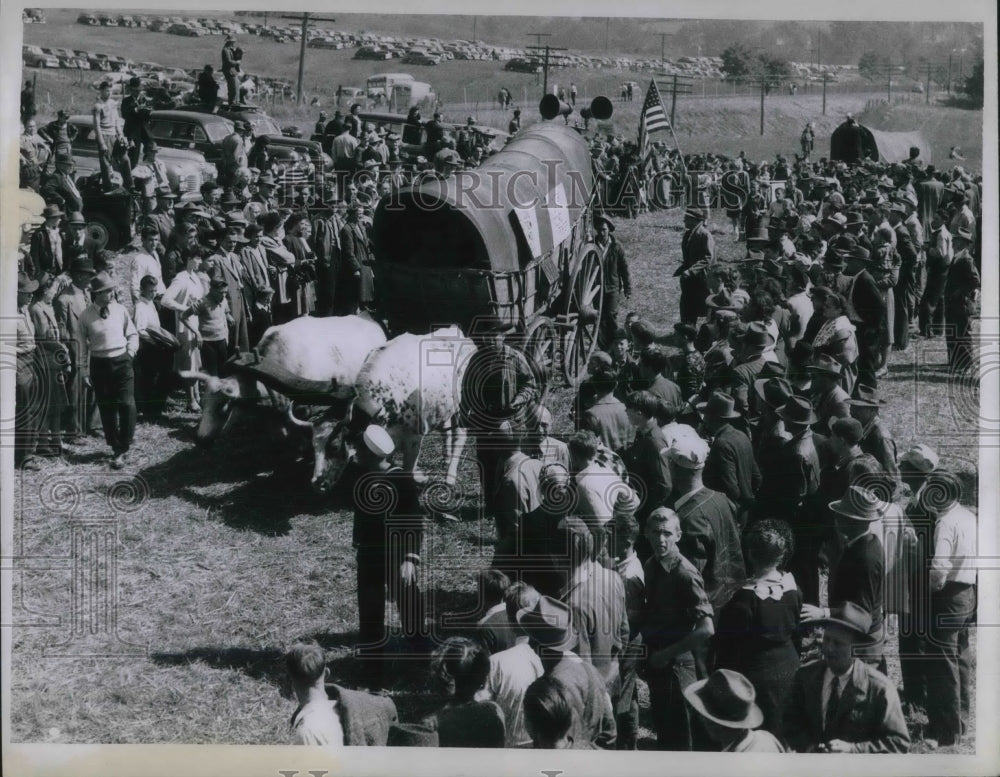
(232, 88)
(114, 387)
(26, 407)
(912, 654)
(905, 293)
(214, 354)
(958, 334)
(869, 354)
(52, 374)
(609, 319)
(153, 368)
(694, 292)
(948, 665)
(931, 313)
(378, 571)
(491, 451)
(671, 713)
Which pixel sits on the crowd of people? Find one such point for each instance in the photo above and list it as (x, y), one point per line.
(720, 472)
(679, 535)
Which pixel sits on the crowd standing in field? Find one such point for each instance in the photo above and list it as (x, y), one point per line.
(718, 467)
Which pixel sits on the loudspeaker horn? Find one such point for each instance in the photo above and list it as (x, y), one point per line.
(601, 108)
(551, 106)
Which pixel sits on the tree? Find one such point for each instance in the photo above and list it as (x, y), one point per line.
(872, 65)
(739, 63)
(974, 84)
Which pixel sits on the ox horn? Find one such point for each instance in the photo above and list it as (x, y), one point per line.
(194, 375)
(290, 412)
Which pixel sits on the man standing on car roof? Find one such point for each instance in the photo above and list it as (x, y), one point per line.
(135, 113)
(108, 134)
(232, 57)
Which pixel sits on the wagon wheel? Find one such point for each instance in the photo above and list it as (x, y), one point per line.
(586, 302)
(540, 345)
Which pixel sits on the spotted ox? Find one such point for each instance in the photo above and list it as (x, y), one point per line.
(308, 355)
(412, 386)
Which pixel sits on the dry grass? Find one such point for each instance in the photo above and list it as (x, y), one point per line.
(227, 557)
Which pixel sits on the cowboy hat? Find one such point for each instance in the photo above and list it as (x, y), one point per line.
(602, 219)
(847, 616)
(797, 410)
(859, 504)
(726, 698)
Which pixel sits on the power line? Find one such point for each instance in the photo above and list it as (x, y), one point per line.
(545, 63)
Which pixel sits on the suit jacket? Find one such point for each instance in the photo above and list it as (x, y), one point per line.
(596, 597)
(69, 306)
(710, 540)
(44, 253)
(608, 420)
(869, 714)
(666, 390)
(731, 468)
(61, 190)
(740, 378)
(594, 717)
(616, 275)
(908, 252)
(795, 475)
(649, 470)
(495, 632)
(867, 306)
(364, 717)
(697, 245)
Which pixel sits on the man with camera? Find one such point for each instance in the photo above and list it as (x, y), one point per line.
(232, 57)
(135, 115)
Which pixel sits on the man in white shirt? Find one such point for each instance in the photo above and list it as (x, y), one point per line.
(146, 262)
(315, 721)
(952, 608)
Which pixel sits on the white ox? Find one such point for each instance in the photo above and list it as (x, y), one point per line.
(320, 355)
(411, 386)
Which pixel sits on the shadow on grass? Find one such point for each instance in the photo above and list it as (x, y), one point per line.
(264, 664)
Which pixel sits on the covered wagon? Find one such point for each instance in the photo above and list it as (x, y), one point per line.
(853, 142)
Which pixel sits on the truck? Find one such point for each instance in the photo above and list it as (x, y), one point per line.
(398, 91)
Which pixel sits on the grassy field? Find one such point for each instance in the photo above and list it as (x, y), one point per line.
(221, 558)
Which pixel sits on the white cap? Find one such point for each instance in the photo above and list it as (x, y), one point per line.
(378, 441)
(688, 452)
(921, 458)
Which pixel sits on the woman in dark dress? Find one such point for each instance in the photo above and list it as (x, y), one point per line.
(755, 630)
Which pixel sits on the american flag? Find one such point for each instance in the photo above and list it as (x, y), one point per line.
(652, 118)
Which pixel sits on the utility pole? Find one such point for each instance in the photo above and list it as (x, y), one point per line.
(675, 86)
(302, 58)
(538, 43)
(949, 73)
(762, 86)
(928, 69)
(607, 29)
(826, 77)
(663, 38)
(474, 19)
(547, 49)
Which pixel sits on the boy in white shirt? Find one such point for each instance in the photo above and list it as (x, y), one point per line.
(316, 720)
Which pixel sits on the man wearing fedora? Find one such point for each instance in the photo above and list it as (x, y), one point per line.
(829, 399)
(730, 467)
(726, 704)
(859, 573)
(111, 343)
(750, 359)
(697, 255)
(69, 307)
(59, 186)
(226, 261)
(939, 254)
(876, 440)
(617, 281)
(552, 632)
(905, 290)
(961, 297)
(840, 704)
(162, 215)
(46, 243)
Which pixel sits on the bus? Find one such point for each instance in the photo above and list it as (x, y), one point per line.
(398, 92)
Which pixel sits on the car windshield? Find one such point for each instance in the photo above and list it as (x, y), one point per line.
(217, 131)
(263, 125)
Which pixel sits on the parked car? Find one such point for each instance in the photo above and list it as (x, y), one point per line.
(187, 169)
(371, 52)
(415, 137)
(33, 56)
(519, 65)
(417, 58)
(281, 143)
(87, 18)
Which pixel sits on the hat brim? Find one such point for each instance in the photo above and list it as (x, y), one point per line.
(825, 370)
(807, 422)
(29, 288)
(702, 406)
(860, 637)
(754, 718)
(541, 633)
(844, 510)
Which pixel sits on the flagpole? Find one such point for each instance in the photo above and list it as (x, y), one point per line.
(670, 125)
